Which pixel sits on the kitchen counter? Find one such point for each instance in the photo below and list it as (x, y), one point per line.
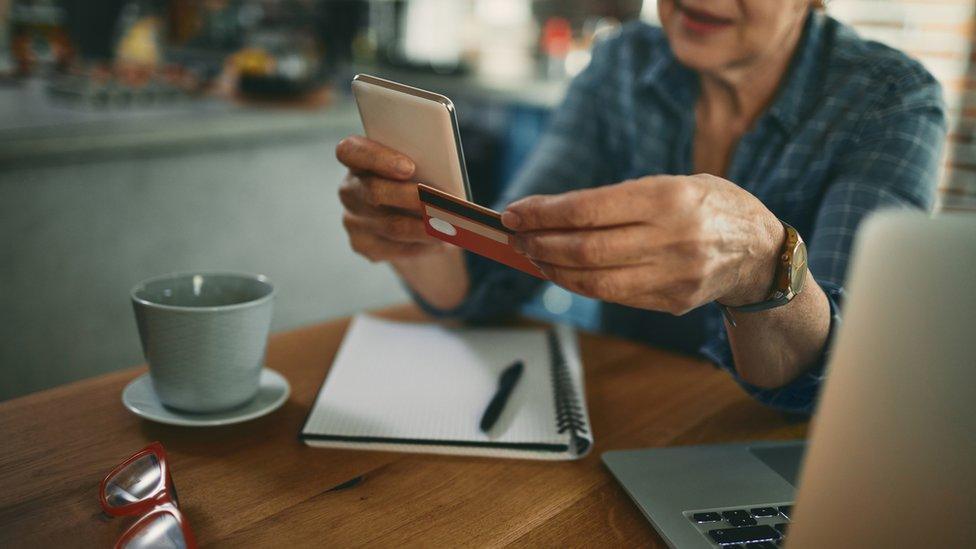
(37, 129)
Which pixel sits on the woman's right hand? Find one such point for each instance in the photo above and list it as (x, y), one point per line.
(384, 216)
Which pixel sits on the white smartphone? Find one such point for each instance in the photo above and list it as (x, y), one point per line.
(420, 124)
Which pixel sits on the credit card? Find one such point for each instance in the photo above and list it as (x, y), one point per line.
(472, 227)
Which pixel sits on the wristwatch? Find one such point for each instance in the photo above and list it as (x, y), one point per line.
(790, 275)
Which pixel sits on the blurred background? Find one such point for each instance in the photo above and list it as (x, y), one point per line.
(140, 137)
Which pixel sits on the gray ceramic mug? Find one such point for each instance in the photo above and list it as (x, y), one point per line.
(204, 336)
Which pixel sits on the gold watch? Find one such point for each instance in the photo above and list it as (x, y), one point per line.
(790, 275)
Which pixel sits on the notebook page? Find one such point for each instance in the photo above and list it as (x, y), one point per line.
(424, 381)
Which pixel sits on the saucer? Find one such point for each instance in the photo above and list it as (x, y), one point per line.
(140, 398)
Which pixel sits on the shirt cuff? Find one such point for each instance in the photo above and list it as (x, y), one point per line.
(800, 395)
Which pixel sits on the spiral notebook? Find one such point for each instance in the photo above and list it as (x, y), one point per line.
(416, 387)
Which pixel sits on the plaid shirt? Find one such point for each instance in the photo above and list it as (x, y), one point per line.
(855, 127)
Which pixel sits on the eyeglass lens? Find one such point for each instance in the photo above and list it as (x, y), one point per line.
(134, 483)
(163, 532)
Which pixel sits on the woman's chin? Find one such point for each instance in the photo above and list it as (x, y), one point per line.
(700, 56)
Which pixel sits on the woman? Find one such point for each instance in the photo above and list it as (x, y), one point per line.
(794, 127)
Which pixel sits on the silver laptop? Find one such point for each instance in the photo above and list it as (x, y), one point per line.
(891, 460)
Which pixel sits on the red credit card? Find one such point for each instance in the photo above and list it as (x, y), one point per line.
(472, 227)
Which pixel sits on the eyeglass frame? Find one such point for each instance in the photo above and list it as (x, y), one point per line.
(162, 500)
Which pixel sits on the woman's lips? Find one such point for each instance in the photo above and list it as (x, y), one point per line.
(701, 22)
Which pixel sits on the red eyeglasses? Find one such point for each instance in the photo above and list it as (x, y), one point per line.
(142, 485)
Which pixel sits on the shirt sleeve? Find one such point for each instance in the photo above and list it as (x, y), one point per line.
(571, 155)
(893, 163)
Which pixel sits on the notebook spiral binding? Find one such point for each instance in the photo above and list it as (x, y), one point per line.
(569, 412)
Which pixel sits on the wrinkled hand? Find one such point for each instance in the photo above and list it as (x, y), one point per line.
(664, 243)
(383, 216)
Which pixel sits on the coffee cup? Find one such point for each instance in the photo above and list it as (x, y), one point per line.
(204, 336)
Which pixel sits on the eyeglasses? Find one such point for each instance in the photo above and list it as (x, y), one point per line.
(142, 485)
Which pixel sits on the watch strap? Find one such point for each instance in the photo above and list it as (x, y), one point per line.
(753, 307)
(781, 295)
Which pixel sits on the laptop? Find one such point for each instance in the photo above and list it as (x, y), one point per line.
(891, 458)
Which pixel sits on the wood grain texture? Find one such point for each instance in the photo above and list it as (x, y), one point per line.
(255, 484)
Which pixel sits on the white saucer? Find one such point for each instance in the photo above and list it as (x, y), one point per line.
(140, 398)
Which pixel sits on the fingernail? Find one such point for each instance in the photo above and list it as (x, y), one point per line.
(511, 219)
(404, 166)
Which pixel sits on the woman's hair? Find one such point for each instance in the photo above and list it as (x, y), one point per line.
(819, 4)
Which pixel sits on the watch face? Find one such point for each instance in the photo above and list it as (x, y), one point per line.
(799, 270)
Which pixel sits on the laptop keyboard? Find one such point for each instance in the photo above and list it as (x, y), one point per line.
(754, 527)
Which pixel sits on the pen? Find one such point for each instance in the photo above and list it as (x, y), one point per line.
(506, 384)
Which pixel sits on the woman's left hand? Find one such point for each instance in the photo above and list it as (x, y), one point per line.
(664, 243)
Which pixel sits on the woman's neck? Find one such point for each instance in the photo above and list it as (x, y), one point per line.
(734, 97)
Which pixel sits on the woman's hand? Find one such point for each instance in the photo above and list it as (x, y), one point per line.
(383, 214)
(664, 243)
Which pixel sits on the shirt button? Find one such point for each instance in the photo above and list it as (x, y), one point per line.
(557, 300)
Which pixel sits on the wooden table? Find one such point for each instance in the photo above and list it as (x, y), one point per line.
(255, 484)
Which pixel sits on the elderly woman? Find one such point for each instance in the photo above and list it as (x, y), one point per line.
(678, 182)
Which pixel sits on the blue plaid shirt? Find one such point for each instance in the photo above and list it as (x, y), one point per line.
(856, 127)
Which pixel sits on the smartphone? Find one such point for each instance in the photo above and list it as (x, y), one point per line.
(423, 125)
(420, 124)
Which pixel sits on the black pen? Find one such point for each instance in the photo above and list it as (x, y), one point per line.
(506, 384)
